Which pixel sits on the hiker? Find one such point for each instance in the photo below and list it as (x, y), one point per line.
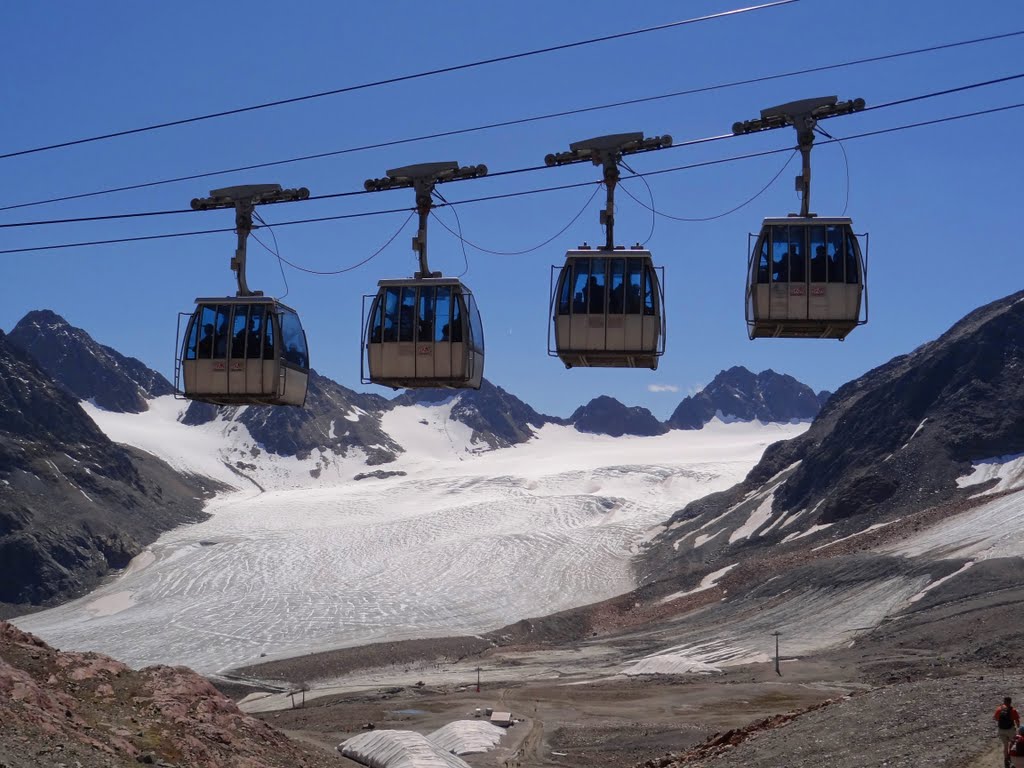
(1017, 750)
(1007, 721)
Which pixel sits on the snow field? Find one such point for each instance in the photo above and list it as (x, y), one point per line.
(465, 543)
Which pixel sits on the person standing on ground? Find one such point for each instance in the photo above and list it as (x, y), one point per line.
(1017, 750)
(1007, 721)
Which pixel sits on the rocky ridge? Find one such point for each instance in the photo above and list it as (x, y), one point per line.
(73, 504)
(86, 368)
(498, 418)
(892, 442)
(88, 710)
(607, 416)
(739, 394)
(335, 419)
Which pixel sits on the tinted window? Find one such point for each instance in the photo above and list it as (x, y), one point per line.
(248, 341)
(648, 291)
(293, 340)
(201, 334)
(425, 324)
(634, 292)
(269, 321)
(407, 314)
(595, 286)
(834, 253)
(780, 254)
(616, 286)
(457, 315)
(476, 325)
(239, 327)
(581, 272)
(220, 339)
(819, 255)
(442, 312)
(564, 290)
(762, 260)
(797, 255)
(852, 266)
(391, 314)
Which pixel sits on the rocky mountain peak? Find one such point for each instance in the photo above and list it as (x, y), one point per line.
(607, 416)
(85, 368)
(72, 503)
(498, 418)
(901, 439)
(335, 419)
(740, 394)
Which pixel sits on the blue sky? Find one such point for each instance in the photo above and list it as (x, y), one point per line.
(942, 204)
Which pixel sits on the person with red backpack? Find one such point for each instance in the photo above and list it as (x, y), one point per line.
(1007, 721)
(1017, 750)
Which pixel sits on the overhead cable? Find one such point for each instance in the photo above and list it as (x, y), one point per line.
(511, 172)
(518, 121)
(879, 132)
(398, 79)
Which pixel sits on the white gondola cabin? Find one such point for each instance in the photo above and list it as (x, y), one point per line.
(244, 350)
(423, 333)
(806, 279)
(608, 310)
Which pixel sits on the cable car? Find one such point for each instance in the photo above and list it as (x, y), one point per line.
(608, 305)
(806, 279)
(424, 332)
(806, 274)
(247, 349)
(608, 310)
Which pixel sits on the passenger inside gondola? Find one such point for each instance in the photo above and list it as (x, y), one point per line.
(206, 342)
(818, 261)
(247, 340)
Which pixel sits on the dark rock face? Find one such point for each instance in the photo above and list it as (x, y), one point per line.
(73, 504)
(607, 416)
(334, 419)
(498, 418)
(892, 442)
(86, 369)
(737, 393)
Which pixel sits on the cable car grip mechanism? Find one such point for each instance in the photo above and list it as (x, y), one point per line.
(244, 199)
(423, 177)
(607, 151)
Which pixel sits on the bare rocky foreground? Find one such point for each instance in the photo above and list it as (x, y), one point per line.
(84, 710)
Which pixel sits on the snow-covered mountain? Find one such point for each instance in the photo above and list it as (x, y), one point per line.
(740, 394)
(72, 503)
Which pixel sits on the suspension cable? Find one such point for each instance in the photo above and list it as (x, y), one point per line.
(866, 134)
(398, 79)
(519, 121)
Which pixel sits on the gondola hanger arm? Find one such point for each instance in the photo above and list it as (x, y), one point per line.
(244, 198)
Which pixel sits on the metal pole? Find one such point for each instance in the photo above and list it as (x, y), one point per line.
(478, 679)
(778, 670)
(424, 203)
(611, 178)
(243, 226)
(805, 138)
